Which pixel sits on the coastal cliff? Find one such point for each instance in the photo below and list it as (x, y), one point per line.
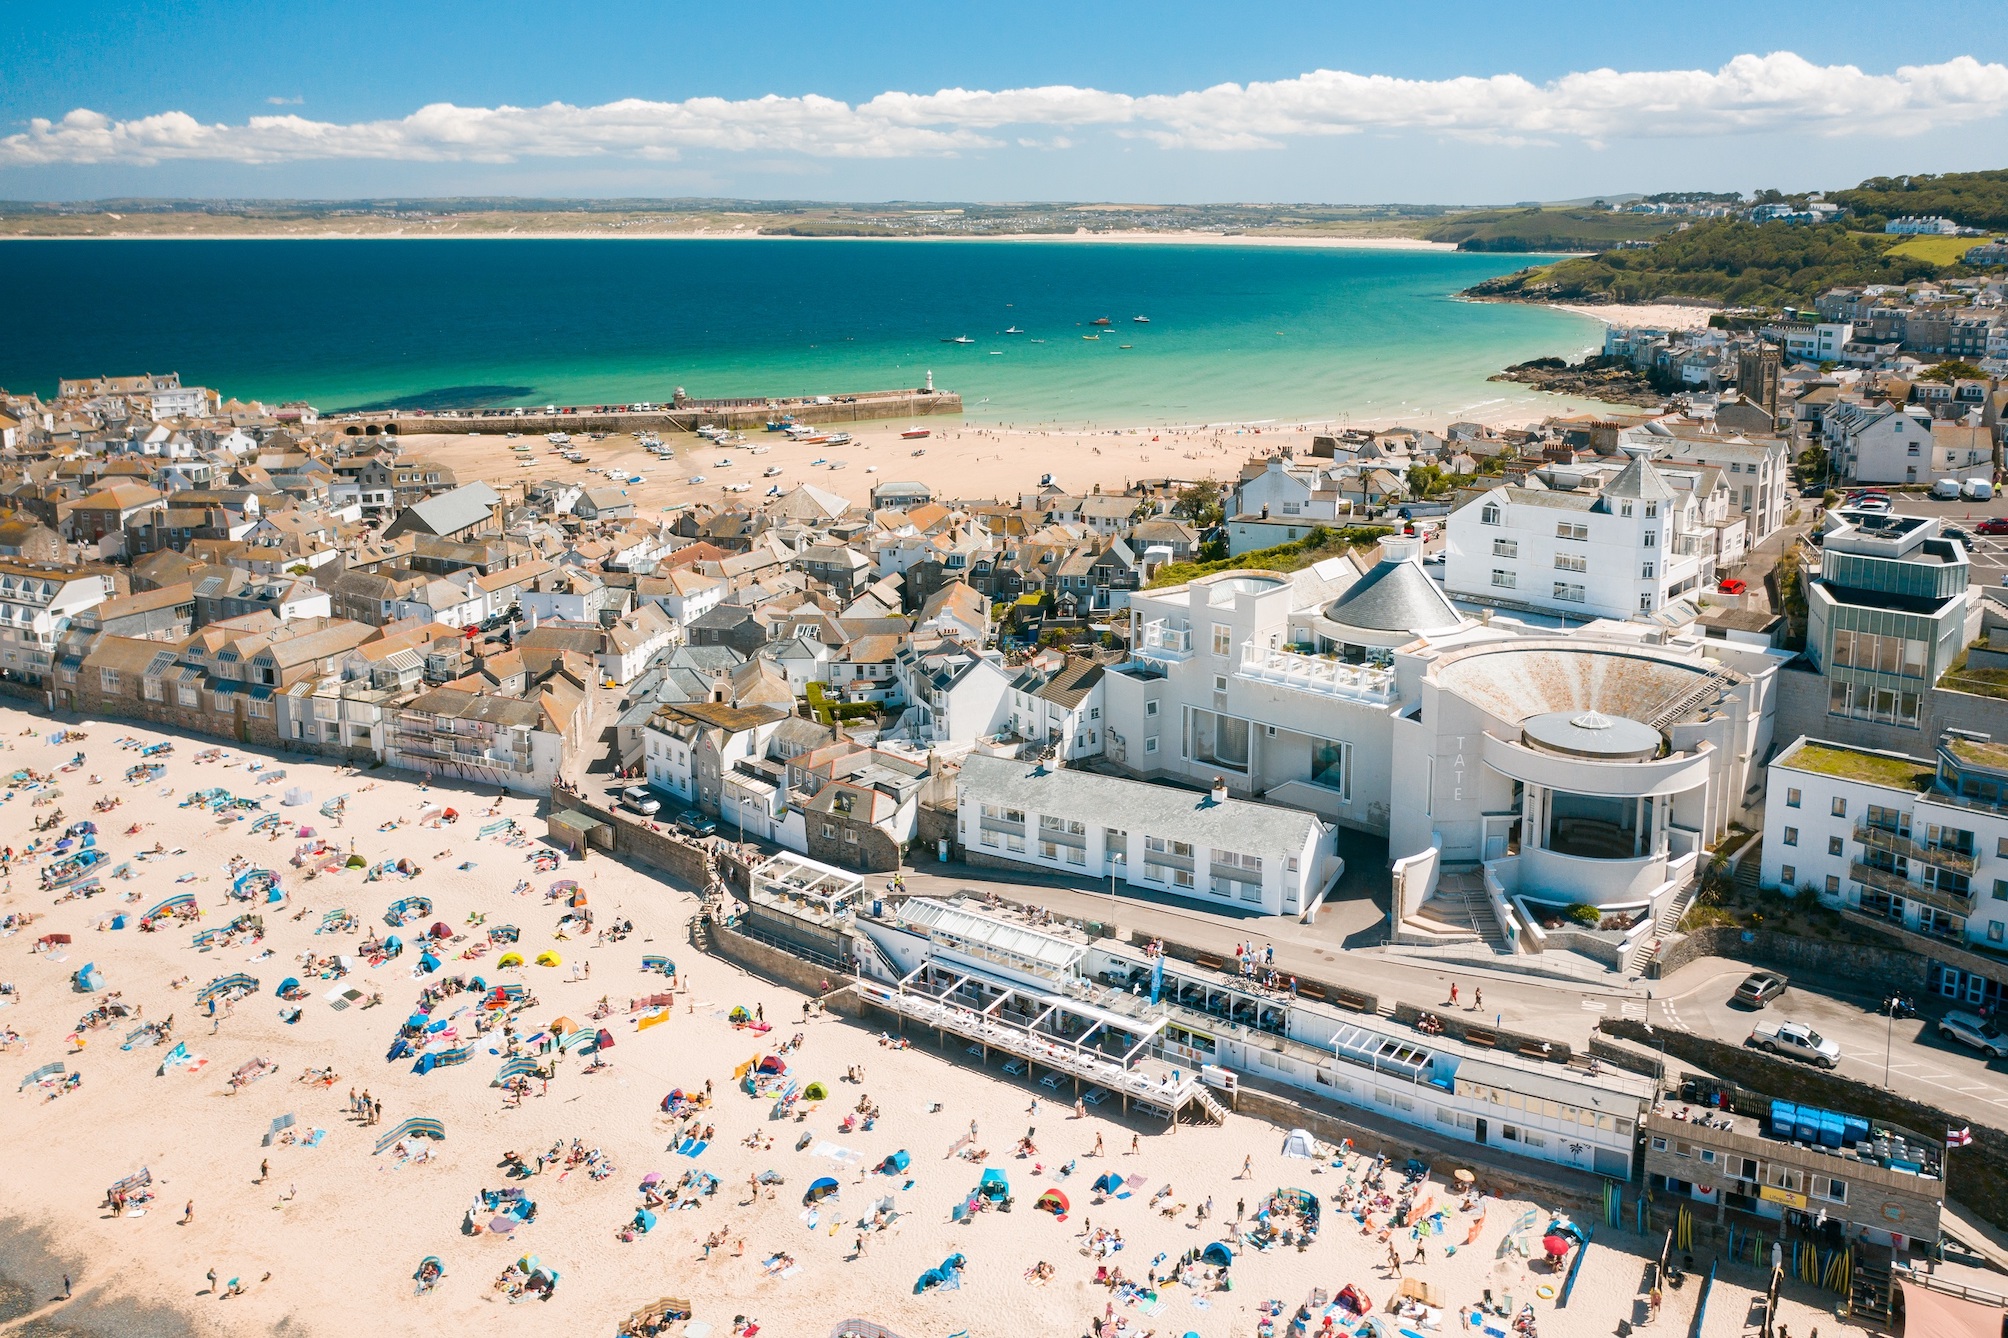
(1610, 380)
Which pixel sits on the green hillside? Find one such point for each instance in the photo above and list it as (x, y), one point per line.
(1726, 261)
(1973, 199)
(1544, 229)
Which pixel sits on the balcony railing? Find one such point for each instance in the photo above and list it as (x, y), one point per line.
(1312, 673)
(1882, 838)
(1897, 885)
(1160, 640)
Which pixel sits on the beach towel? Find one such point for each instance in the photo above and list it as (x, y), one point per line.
(692, 1148)
(313, 1140)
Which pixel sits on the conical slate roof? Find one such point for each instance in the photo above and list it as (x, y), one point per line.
(1396, 596)
(1639, 479)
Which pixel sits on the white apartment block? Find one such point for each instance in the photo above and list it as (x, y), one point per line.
(1919, 844)
(1880, 443)
(36, 605)
(1207, 847)
(1631, 549)
(1758, 472)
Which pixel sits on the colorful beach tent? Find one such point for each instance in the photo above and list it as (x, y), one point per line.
(815, 1091)
(825, 1188)
(510, 959)
(1299, 1143)
(1052, 1201)
(1108, 1183)
(1217, 1254)
(773, 1064)
(993, 1185)
(548, 958)
(894, 1164)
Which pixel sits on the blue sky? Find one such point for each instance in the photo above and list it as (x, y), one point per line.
(1116, 99)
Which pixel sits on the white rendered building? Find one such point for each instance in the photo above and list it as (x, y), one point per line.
(1631, 549)
(1913, 842)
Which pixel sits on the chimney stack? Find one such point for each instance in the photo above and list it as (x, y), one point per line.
(1219, 790)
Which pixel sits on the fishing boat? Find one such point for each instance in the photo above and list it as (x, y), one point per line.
(1141, 320)
(959, 339)
(780, 424)
(1125, 345)
(1014, 330)
(1091, 336)
(1101, 320)
(916, 433)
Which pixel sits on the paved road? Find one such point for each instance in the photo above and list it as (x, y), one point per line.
(1908, 1056)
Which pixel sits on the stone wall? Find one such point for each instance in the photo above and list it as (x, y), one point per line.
(1979, 1173)
(785, 969)
(1886, 965)
(851, 843)
(932, 826)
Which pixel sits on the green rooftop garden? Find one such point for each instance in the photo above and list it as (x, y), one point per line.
(1826, 759)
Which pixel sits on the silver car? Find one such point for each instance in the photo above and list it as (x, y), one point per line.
(1978, 1032)
(638, 798)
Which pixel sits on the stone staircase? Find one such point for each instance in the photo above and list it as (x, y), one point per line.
(1664, 924)
(1457, 912)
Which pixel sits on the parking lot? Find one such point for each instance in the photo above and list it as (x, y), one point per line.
(1989, 554)
(1906, 1054)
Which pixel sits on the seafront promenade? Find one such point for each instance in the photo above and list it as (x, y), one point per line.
(687, 415)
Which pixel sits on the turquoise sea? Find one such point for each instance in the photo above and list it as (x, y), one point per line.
(1236, 333)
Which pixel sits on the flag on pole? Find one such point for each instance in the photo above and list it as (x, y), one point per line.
(1958, 1138)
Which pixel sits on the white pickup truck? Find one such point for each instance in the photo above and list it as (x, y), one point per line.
(1796, 1040)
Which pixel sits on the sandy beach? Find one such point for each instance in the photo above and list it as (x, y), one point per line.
(959, 461)
(1652, 315)
(326, 1238)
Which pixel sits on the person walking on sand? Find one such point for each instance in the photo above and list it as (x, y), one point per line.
(66, 1286)
(1098, 1152)
(1394, 1260)
(1247, 1168)
(211, 1275)
(1136, 1144)
(264, 1169)
(187, 1214)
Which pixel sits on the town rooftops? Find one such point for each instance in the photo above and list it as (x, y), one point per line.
(487, 708)
(1156, 810)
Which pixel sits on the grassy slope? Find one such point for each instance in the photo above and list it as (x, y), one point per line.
(1551, 229)
(1935, 250)
(1735, 263)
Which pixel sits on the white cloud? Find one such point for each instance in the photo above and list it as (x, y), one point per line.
(277, 101)
(1751, 94)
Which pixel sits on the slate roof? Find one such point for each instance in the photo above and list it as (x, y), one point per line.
(1396, 596)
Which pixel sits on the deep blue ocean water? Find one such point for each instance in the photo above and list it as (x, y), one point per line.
(1236, 333)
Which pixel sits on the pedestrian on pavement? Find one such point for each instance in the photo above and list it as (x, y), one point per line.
(1477, 998)
(1453, 994)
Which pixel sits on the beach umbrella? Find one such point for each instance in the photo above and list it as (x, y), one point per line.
(1556, 1246)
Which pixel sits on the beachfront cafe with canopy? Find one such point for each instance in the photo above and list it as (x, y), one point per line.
(804, 906)
(1005, 988)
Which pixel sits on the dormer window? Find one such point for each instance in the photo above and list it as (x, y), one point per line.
(1490, 515)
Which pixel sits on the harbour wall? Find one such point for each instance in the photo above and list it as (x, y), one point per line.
(741, 415)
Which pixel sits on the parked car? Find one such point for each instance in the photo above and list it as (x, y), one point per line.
(1760, 988)
(1954, 532)
(693, 823)
(1796, 1040)
(1732, 585)
(638, 798)
(1992, 525)
(1976, 1031)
